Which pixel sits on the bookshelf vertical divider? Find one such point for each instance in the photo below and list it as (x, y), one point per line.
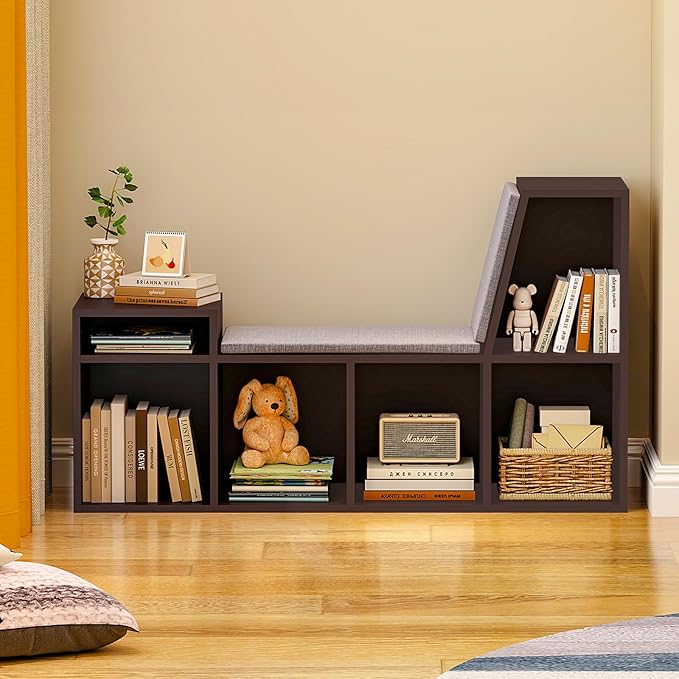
(561, 223)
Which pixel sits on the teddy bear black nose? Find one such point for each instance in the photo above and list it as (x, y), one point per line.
(274, 406)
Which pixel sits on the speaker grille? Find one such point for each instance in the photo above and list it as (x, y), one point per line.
(420, 439)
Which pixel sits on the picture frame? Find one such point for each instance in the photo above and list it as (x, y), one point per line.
(165, 254)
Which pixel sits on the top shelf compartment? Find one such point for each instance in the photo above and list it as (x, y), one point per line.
(562, 224)
(106, 316)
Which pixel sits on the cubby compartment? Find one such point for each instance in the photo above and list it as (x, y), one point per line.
(415, 388)
(559, 234)
(162, 384)
(200, 327)
(321, 396)
(556, 385)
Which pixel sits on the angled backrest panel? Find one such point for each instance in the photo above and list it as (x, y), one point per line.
(495, 257)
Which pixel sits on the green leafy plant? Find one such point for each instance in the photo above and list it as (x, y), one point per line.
(107, 204)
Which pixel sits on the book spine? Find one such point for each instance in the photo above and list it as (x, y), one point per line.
(130, 454)
(274, 496)
(518, 423)
(613, 312)
(179, 461)
(418, 474)
(171, 293)
(106, 453)
(168, 455)
(95, 467)
(528, 426)
(141, 460)
(584, 327)
(118, 411)
(563, 332)
(600, 339)
(190, 457)
(457, 485)
(86, 458)
(419, 495)
(551, 317)
(160, 301)
(152, 448)
(186, 283)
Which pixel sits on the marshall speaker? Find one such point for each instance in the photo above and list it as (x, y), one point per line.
(419, 437)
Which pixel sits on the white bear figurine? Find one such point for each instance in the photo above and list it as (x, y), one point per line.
(522, 320)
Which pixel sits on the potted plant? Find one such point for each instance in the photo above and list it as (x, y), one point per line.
(104, 266)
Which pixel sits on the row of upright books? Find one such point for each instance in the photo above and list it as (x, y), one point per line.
(389, 482)
(194, 290)
(120, 453)
(589, 300)
(282, 482)
(143, 339)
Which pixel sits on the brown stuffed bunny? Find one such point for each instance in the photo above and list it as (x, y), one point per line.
(271, 437)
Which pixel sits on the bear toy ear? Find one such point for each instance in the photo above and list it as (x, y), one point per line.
(291, 411)
(531, 288)
(242, 411)
(512, 288)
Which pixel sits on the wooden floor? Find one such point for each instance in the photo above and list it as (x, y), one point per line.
(401, 596)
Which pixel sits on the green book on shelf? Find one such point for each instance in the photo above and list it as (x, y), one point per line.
(518, 421)
(318, 468)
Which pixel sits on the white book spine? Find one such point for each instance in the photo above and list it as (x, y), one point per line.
(600, 312)
(152, 454)
(193, 282)
(383, 484)
(613, 311)
(552, 316)
(563, 332)
(118, 411)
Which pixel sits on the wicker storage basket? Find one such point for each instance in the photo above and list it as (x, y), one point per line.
(558, 474)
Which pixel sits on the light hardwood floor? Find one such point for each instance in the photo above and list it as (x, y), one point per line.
(359, 596)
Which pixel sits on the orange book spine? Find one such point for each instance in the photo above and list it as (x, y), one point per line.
(167, 301)
(419, 495)
(585, 311)
(165, 293)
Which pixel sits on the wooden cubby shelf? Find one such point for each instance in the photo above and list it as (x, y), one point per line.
(561, 224)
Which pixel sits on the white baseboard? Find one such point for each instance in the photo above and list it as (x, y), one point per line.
(62, 462)
(661, 483)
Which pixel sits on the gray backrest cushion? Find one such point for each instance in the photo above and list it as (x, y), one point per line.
(495, 257)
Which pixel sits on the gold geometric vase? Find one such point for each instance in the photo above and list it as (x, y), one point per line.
(103, 268)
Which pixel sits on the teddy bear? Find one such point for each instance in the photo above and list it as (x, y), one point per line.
(271, 436)
(522, 320)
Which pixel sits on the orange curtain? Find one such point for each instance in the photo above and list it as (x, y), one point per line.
(15, 470)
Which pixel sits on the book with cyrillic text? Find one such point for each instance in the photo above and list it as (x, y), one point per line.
(584, 327)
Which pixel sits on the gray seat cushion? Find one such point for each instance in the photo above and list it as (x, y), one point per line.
(495, 257)
(263, 339)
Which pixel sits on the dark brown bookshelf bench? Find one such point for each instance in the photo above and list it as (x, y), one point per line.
(343, 384)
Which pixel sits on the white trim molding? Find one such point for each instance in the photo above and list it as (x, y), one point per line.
(662, 483)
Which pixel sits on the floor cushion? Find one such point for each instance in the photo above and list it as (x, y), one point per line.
(47, 610)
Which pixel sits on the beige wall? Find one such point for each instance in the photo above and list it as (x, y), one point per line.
(665, 217)
(340, 161)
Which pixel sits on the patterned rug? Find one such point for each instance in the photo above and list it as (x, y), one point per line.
(636, 649)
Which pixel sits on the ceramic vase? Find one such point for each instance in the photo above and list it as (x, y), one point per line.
(103, 268)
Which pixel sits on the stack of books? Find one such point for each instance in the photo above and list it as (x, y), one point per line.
(586, 302)
(419, 481)
(121, 451)
(193, 291)
(143, 339)
(282, 482)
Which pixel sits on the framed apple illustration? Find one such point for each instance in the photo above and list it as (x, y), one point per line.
(165, 254)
